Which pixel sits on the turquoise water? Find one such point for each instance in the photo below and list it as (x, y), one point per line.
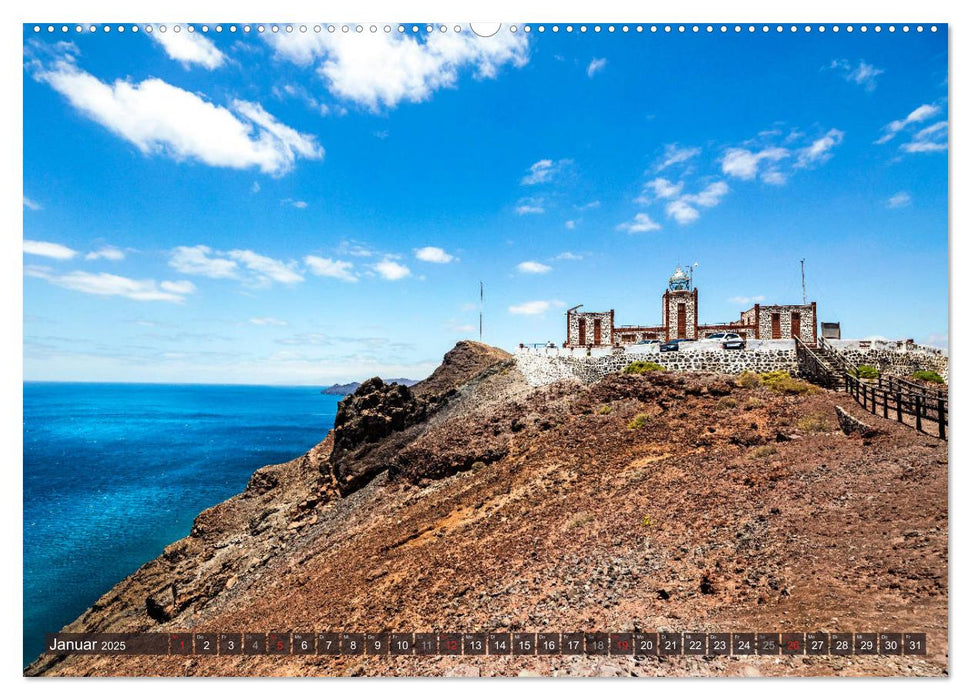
(115, 472)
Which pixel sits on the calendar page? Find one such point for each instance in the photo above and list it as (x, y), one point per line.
(451, 349)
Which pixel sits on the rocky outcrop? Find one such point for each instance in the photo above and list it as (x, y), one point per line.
(459, 366)
(364, 420)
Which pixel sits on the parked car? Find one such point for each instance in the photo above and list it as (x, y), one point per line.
(674, 345)
(733, 341)
(715, 336)
(649, 341)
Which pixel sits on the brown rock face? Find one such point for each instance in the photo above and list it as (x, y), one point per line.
(364, 419)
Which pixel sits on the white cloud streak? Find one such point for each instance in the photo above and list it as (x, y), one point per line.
(104, 284)
(433, 254)
(596, 66)
(531, 267)
(391, 270)
(189, 48)
(108, 252)
(161, 119)
(641, 223)
(328, 267)
(46, 249)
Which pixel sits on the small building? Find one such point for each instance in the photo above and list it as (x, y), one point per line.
(679, 319)
(830, 331)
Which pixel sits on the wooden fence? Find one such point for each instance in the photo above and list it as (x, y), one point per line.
(899, 404)
(924, 408)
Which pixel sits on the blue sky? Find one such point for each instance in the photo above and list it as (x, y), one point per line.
(305, 208)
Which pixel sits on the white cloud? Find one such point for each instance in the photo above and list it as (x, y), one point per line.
(596, 66)
(108, 252)
(179, 287)
(189, 48)
(746, 300)
(433, 255)
(531, 267)
(567, 255)
(901, 199)
(589, 205)
(31, 204)
(928, 140)
(663, 188)
(199, 260)
(530, 205)
(640, 224)
(380, 70)
(104, 284)
(295, 203)
(533, 308)
(774, 177)
(48, 250)
(267, 269)
(267, 321)
(862, 73)
(327, 267)
(922, 113)
(682, 212)
(684, 209)
(390, 270)
(543, 171)
(159, 118)
(255, 187)
(820, 150)
(570, 224)
(744, 164)
(674, 154)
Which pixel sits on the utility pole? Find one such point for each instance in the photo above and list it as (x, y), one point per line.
(802, 268)
(481, 298)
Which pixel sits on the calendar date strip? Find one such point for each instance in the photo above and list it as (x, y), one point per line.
(490, 644)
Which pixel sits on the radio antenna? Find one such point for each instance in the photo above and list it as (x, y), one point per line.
(802, 268)
(481, 306)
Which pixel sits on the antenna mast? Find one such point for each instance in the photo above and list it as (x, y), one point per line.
(802, 268)
(481, 297)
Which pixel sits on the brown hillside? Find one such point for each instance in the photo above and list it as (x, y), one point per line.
(657, 502)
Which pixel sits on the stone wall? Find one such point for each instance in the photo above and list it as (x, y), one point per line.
(898, 360)
(541, 366)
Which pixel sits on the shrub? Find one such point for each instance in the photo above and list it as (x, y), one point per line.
(782, 382)
(642, 367)
(578, 520)
(604, 410)
(928, 376)
(764, 451)
(727, 402)
(640, 420)
(753, 402)
(867, 372)
(747, 380)
(815, 423)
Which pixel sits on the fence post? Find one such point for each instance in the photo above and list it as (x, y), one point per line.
(886, 400)
(900, 409)
(941, 420)
(917, 410)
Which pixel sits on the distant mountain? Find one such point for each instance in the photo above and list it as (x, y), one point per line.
(351, 387)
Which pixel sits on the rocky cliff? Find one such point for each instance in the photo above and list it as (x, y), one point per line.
(475, 502)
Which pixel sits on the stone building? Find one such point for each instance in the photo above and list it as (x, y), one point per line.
(679, 319)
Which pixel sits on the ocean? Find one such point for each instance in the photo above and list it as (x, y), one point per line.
(115, 472)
